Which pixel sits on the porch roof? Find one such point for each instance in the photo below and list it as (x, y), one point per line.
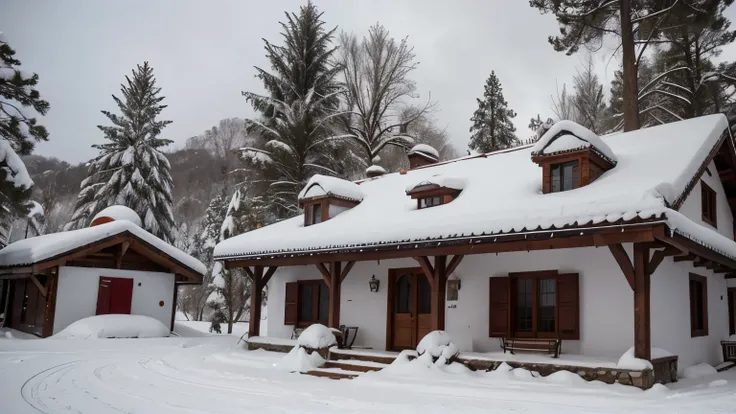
(655, 171)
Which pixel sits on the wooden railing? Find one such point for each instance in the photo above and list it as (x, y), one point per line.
(729, 350)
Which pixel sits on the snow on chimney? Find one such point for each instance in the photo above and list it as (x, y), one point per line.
(421, 155)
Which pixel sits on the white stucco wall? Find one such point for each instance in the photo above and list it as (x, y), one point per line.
(76, 295)
(606, 303)
(692, 205)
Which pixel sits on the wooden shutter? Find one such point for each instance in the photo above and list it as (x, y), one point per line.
(291, 303)
(498, 298)
(568, 305)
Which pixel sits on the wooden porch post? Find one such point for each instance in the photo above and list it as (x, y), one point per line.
(439, 285)
(256, 296)
(642, 321)
(335, 287)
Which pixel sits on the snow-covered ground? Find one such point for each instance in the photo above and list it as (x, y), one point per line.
(210, 374)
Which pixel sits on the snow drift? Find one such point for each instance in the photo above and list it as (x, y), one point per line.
(114, 326)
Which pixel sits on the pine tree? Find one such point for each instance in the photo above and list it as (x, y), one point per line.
(296, 113)
(19, 131)
(17, 91)
(131, 169)
(492, 129)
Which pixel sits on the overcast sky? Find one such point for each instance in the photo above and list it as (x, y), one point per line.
(203, 53)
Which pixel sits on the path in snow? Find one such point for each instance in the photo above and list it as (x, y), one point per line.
(210, 375)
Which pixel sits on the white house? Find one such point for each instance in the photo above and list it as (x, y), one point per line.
(112, 267)
(602, 242)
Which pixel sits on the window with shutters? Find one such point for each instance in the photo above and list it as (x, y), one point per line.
(540, 304)
(698, 305)
(708, 204)
(307, 302)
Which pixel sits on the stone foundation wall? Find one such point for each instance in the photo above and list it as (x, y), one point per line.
(252, 346)
(641, 379)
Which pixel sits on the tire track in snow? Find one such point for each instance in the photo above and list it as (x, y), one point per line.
(29, 390)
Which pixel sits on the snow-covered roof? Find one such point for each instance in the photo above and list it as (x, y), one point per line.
(424, 149)
(565, 136)
(119, 212)
(322, 185)
(503, 194)
(38, 249)
(455, 183)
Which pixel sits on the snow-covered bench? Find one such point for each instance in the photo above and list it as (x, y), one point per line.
(550, 346)
(345, 335)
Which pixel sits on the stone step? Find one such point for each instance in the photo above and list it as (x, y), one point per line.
(358, 356)
(333, 373)
(355, 365)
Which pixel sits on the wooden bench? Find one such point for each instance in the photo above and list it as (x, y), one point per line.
(549, 346)
(343, 335)
(729, 351)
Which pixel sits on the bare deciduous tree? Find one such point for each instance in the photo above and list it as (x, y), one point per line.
(376, 75)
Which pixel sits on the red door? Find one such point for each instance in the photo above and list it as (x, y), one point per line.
(114, 295)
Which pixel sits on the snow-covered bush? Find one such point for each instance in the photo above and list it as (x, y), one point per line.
(439, 346)
(114, 326)
(298, 360)
(316, 337)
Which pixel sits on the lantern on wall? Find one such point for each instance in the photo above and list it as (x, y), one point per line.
(374, 283)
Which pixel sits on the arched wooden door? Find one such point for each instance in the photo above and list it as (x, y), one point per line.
(409, 308)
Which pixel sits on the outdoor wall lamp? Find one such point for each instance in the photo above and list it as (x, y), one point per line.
(374, 283)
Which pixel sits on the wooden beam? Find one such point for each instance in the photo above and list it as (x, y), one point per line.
(256, 297)
(427, 267)
(346, 270)
(249, 272)
(642, 314)
(731, 275)
(49, 314)
(660, 255)
(325, 274)
(685, 258)
(699, 262)
(439, 288)
(271, 270)
(174, 299)
(120, 253)
(333, 320)
(41, 288)
(685, 244)
(563, 239)
(454, 263)
(619, 253)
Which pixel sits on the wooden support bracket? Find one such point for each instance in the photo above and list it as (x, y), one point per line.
(346, 270)
(325, 274)
(619, 253)
(41, 288)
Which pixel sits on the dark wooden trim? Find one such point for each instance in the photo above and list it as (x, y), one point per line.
(660, 255)
(41, 288)
(724, 139)
(438, 295)
(688, 246)
(249, 272)
(535, 276)
(704, 305)
(335, 288)
(174, 298)
(642, 313)
(427, 268)
(269, 273)
(120, 253)
(391, 300)
(709, 215)
(50, 310)
(325, 274)
(256, 298)
(346, 270)
(624, 263)
(542, 240)
(731, 310)
(454, 263)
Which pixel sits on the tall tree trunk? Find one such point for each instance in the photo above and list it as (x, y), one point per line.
(631, 89)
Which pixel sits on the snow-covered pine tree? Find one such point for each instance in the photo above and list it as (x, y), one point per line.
(19, 131)
(232, 286)
(297, 111)
(17, 91)
(131, 169)
(492, 129)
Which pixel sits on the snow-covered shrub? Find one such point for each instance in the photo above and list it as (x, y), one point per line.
(299, 360)
(114, 326)
(317, 336)
(439, 346)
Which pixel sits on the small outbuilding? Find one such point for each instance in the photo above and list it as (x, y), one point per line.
(112, 267)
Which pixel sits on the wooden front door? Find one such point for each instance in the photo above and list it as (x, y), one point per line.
(409, 308)
(114, 295)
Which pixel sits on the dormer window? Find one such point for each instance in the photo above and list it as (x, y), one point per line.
(565, 176)
(571, 156)
(435, 191)
(325, 197)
